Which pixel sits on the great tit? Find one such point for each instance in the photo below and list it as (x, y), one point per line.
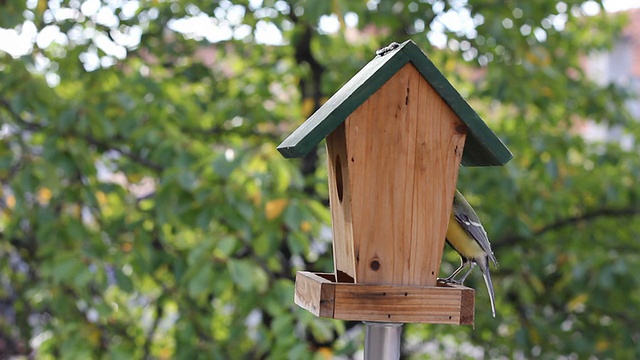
(466, 235)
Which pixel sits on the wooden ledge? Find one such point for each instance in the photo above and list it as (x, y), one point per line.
(319, 294)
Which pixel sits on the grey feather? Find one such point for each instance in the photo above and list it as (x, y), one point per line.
(471, 224)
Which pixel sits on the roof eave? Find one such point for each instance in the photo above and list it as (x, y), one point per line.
(336, 110)
(483, 147)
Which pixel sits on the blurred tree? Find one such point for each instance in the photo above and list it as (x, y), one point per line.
(144, 211)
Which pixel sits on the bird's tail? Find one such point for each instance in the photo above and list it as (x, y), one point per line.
(484, 267)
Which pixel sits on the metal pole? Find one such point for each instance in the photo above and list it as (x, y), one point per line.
(382, 340)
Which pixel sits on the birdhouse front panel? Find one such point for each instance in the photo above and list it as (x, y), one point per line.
(398, 164)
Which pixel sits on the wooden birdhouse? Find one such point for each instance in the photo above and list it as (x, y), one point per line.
(396, 134)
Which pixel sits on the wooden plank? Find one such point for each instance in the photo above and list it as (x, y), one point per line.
(442, 304)
(440, 137)
(314, 294)
(406, 304)
(378, 155)
(340, 202)
(405, 147)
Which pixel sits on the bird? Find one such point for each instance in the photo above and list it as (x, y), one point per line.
(466, 235)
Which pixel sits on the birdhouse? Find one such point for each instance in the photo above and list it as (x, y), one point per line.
(396, 134)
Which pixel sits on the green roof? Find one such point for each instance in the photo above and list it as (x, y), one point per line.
(482, 147)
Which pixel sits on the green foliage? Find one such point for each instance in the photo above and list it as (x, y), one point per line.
(144, 211)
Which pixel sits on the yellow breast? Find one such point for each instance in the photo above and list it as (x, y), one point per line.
(462, 241)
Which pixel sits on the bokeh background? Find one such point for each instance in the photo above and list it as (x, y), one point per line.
(145, 213)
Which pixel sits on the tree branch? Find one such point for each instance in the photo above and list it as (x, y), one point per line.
(149, 339)
(18, 119)
(100, 144)
(309, 88)
(105, 146)
(604, 212)
(243, 131)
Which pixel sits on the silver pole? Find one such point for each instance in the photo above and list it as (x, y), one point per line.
(382, 340)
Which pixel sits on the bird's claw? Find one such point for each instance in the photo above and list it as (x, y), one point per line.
(449, 281)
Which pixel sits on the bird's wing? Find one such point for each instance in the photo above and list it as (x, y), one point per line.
(474, 228)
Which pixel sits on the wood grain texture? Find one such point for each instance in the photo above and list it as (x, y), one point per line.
(340, 202)
(315, 294)
(404, 146)
(449, 304)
